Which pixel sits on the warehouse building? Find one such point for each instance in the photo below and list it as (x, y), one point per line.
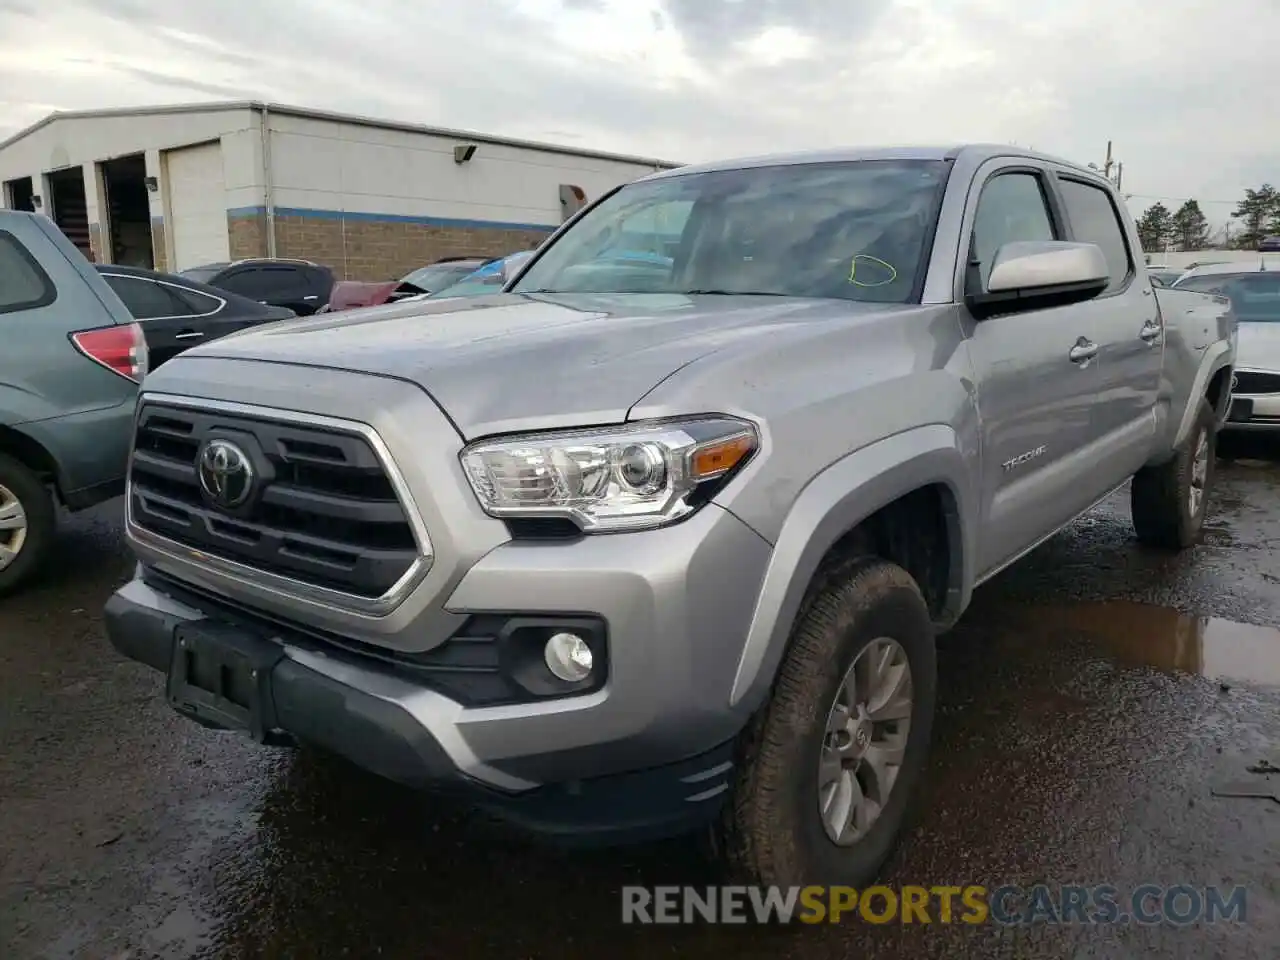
(178, 186)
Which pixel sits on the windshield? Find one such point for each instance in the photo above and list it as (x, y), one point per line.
(855, 231)
(438, 275)
(1255, 297)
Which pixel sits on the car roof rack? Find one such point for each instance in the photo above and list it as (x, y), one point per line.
(308, 263)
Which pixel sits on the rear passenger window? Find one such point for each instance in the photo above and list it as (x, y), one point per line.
(146, 300)
(253, 283)
(23, 284)
(1012, 208)
(1094, 219)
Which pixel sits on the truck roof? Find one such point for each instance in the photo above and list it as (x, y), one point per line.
(978, 152)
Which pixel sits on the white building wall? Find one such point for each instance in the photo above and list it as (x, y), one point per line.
(326, 167)
(72, 141)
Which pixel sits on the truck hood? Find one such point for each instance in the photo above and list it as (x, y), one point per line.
(512, 362)
(1258, 347)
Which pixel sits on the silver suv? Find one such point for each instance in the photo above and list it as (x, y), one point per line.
(660, 536)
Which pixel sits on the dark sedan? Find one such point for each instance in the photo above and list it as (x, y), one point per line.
(177, 313)
(300, 285)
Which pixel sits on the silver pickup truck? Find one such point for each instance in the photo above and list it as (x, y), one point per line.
(659, 538)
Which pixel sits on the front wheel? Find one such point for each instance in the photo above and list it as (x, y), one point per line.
(831, 764)
(1169, 502)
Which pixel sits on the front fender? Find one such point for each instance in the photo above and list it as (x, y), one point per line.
(1200, 340)
(1217, 357)
(833, 503)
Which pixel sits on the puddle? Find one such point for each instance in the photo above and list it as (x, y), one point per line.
(1144, 635)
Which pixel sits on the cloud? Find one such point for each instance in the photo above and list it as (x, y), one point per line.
(1184, 88)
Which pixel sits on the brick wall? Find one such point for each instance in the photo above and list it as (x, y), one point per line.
(248, 236)
(158, 252)
(96, 254)
(365, 249)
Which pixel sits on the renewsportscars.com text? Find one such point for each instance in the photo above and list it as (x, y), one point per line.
(1006, 905)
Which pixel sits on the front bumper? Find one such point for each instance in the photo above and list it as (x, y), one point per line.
(1253, 412)
(647, 754)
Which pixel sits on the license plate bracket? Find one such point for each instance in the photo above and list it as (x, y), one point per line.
(220, 676)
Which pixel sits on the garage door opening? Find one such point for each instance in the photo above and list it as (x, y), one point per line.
(18, 195)
(70, 212)
(127, 224)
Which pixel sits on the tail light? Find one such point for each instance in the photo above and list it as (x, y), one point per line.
(121, 349)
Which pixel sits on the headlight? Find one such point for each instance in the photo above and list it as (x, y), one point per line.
(629, 477)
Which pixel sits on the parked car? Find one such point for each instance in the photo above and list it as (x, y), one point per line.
(302, 286)
(178, 313)
(1164, 276)
(348, 294)
(487, 279)
(1253, 290)
(69, 373)
(629, 549)
(1269, 245)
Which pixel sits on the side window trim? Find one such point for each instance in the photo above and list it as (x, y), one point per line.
(186, 295)
(1058, 176)
(200, 293)
(1052, 202)
(49, 291)
(174, 286)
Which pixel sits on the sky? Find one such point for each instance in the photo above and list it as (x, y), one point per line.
(1182, 87)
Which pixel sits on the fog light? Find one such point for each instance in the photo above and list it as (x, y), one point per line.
(568, 657)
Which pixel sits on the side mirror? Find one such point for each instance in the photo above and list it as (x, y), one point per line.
(1035, 275)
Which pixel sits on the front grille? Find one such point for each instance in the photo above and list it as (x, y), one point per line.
(323, 510)
(1249, 382)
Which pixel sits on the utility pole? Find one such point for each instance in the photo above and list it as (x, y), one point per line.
(1119, 174)
(1106, 167)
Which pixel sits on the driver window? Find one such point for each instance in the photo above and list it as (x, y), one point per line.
(1012, 208)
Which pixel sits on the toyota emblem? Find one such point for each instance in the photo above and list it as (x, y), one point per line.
(226, 474)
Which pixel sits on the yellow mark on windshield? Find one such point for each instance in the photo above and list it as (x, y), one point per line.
(853, 271)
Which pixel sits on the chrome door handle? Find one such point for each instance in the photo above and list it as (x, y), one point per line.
(1084, 351)
(1150, 332)
(188, 335)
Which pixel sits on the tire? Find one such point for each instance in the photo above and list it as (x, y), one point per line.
(1161, 497)
(772, 829)
(20, 487)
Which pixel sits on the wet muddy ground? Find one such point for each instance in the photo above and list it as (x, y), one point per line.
(1094, 701)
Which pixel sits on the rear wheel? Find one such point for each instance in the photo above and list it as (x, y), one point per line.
(27, 521)
(1169, 502)
(831, 765)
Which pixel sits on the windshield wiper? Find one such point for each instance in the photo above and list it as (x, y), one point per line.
(710, 292)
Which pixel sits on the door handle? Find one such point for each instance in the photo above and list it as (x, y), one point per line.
(1150, 331)
(189, 335)
(312, 297)
(1084, 351)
